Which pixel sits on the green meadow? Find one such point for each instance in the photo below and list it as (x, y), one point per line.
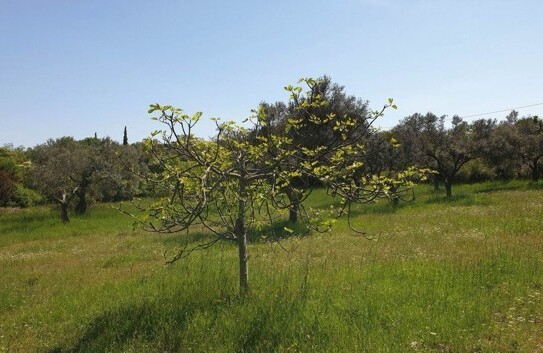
(438, 275)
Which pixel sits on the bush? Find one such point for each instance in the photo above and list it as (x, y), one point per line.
(7, 187)
(24, 197)
(476, 171)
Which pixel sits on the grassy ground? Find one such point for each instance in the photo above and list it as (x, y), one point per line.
(464, 275)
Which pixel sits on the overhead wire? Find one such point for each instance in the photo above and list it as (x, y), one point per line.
(481, 114)
(501, 111)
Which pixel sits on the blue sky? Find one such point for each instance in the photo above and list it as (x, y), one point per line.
(73, 68)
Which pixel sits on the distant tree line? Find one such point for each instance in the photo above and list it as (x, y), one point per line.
(74, 173)
(458, 151)
(475, 151)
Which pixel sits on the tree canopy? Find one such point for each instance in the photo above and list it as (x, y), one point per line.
(65, 170)
(242, 176)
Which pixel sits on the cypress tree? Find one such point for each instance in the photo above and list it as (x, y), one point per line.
(125, 137)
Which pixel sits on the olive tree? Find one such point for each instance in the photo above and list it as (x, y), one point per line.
(517, 146)
(384, 155)
(445, 149)
(10, 174)
(66, 170)
(236, 180)
(326, 103)
(56, 169)
(504, 156)
(528, 138)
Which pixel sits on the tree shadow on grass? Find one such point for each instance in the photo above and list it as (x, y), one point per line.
(115, 329)
(283, 322)
(536, 185)
(279, 230)
(283, 230)
(182, 238)
(513, 185)
(160, 326)
(156, 326)
(27, 222)
(504, 186)
(261, 335)
(378, 208)
(441, 199)
(459, 200)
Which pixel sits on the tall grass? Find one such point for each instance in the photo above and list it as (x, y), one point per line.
(460, 275)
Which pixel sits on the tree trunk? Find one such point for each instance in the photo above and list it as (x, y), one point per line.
(81, 191)
(535, 172)
(394, 199)
(81, 206)
(64, 202)
(293, 211)
(294, 198)
(64, 212)
(436, 182)
(241, 235)
(243, 263)
(448, 187)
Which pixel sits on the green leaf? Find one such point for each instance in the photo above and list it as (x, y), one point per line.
(153, 107)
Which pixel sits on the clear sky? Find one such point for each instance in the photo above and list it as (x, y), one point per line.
(75, 67)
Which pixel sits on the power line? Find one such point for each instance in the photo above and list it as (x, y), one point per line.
(501, 111)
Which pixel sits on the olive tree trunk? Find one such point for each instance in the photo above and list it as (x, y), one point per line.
(294, 199)
(535, 171)
(81, 206)
(64, 202)
(240, 232)
(293, 211)
(394, 199)
(436, 182)
(64, 212)
(448, 187)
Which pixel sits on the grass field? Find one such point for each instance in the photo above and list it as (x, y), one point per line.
(460, 275)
